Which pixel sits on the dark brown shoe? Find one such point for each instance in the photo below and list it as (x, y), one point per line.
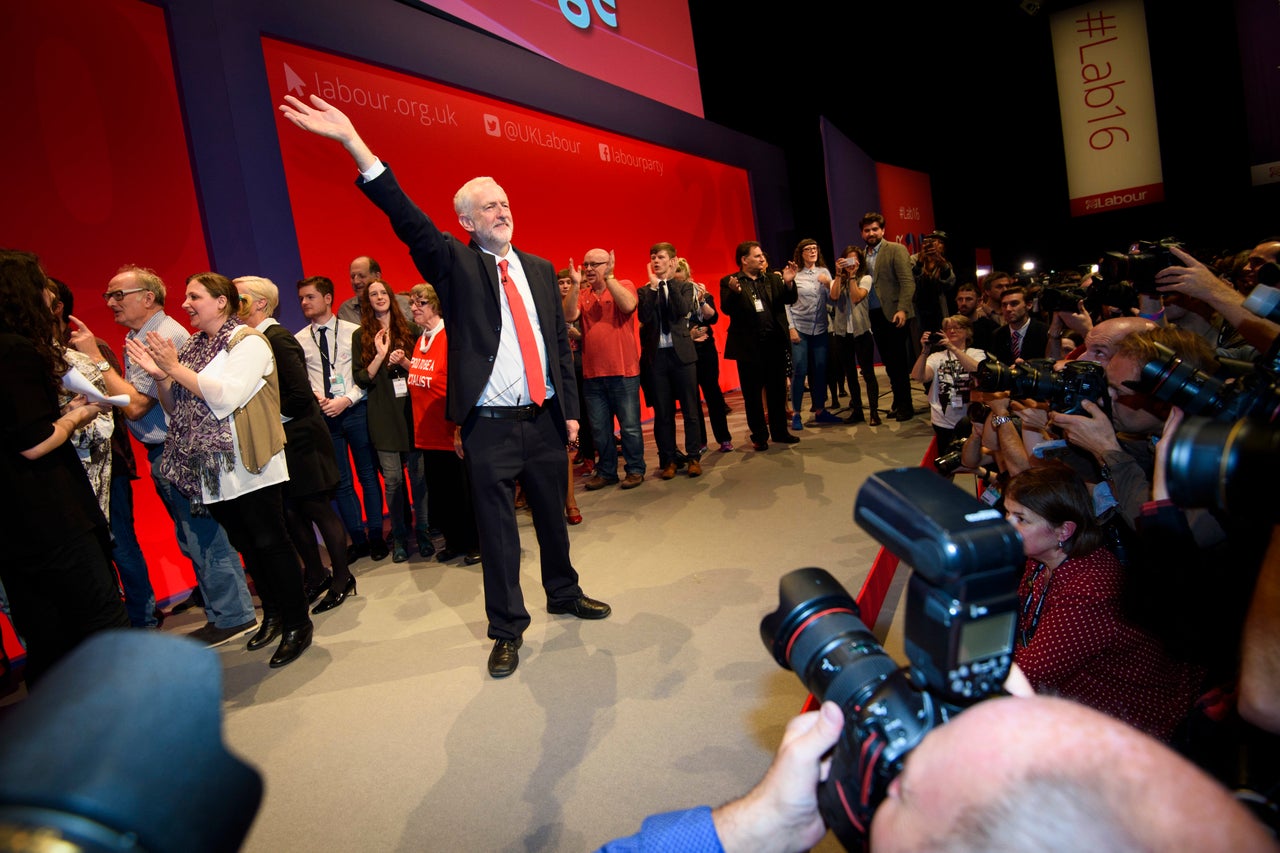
(695, 468)
(668, 470)
(598, 482)
(632, 480)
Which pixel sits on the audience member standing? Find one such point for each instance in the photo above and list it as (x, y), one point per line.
(855, 346)
(756, 302)
(668, 359)
(381, 369)
(225, 447)
(136, 298)
(55, 568)
(810, 341)
(701, 318)
(890, 301)
(326, 341)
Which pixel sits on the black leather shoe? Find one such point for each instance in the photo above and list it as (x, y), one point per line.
(333, 597)
(788, 439)
(444, 555)
(582, 607)
(355, 552)
(267, 631)
(314, 592)
(472, 558)
(293, 644)
(378, 548)
(504, 658)
(904, 414)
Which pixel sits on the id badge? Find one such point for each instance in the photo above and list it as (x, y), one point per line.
(401, 385)
(337, 387)
(759, 304)
(990, 495)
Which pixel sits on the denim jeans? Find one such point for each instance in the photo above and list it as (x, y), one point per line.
(351, 430)
(393, 464)
(219, 572)
(809, 357)
(139, 597)
(607, 397)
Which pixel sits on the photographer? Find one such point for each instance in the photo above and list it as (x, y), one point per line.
(945, 367)
(1195, 279)
(1027, 773)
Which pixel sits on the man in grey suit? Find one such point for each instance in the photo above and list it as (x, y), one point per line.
(668, 360)
(892, 292)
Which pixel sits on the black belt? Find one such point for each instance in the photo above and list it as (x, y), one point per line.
(509, 413)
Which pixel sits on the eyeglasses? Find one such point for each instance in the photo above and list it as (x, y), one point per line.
(119, 295)
(419, 303)
(590, 265)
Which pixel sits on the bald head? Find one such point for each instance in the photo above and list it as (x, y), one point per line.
(1100, 343)
(595, 268)
(1048, 774)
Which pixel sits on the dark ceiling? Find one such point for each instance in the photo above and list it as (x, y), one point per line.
(967, 93)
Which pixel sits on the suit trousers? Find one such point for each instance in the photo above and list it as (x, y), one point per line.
(499, 452)
(892, 343)
(768, 373)
(672, 380)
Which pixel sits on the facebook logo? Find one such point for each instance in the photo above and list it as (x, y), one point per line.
(605, 155)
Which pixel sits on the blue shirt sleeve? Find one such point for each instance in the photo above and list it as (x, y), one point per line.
(689, 831)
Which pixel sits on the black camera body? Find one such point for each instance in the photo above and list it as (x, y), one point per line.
(961, 616)
(1140, 264)
(1062, 298)
(1064, 390)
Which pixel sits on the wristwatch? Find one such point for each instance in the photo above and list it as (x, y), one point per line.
(1000, 420)
(103, 366)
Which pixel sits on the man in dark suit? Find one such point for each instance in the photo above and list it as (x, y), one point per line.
(892, 293)
(758, 339)
(668, 360)
(1032, 335)
(511, 380)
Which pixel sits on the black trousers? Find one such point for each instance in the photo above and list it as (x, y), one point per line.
(255, 525)
(892, 343)
(63, 596)
(768, 373)
(708, 371)
(854, 352)
(672, 380)
(498, 452)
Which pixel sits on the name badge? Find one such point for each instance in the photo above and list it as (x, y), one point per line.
(401, 385)
(336, 386)
(759, 305)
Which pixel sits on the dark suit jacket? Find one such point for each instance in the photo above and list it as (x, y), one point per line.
(679, 303)
(745, 341)
(308, 448)
(892, 282)
(1035, 343)
(466, 280)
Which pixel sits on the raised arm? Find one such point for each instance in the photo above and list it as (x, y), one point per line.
(324, 119)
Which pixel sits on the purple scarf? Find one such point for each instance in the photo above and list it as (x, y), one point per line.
(198, 447)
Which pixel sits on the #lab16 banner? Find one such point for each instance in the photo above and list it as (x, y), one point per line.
(1108, 106)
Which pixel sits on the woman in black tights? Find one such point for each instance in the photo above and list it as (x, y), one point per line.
(313, 471)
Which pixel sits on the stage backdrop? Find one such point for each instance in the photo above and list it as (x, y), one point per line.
(97, 175)
(573, 186)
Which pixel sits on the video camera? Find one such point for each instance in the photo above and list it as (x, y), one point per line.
(1064, 390)
(1140, 264)
(961, 617)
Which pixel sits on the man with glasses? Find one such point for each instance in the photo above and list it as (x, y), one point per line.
(136, 299)
(610, 365)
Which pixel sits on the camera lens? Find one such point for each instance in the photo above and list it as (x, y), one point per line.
(816, 631)
(1171, 379)
(1225, 466)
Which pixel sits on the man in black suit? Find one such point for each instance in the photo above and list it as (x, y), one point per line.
(511, 380)
(1032, 335)
(758, 339)
(668, 359)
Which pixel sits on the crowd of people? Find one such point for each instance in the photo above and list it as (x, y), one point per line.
(486, 386)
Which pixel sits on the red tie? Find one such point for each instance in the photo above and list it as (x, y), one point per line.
(524, 334)
(1015, 344)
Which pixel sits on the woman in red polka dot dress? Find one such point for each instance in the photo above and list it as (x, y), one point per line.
(1074, 639)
